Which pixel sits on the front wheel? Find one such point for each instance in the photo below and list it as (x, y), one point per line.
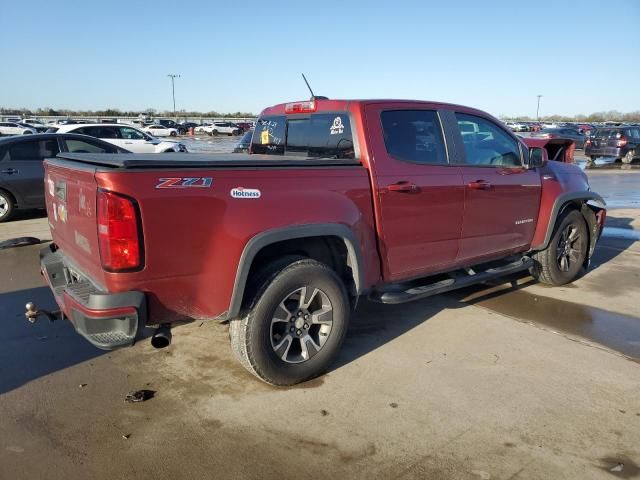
(173, 134)
(296, 323)
(564, 257)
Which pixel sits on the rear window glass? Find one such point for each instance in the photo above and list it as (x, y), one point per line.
(324, 135)
(415, 136)
(634, 132)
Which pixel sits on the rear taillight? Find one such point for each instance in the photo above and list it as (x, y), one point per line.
(587, 141)
(118, 232)
(622, 141)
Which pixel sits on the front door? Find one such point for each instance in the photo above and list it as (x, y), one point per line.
(420, 197)
(502, 197)
(22, 168)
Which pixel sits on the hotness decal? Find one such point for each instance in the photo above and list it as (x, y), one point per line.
(241, 192)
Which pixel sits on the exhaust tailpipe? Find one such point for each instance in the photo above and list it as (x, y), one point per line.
(162, 337)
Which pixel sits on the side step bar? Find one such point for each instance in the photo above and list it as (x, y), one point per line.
(448, 284)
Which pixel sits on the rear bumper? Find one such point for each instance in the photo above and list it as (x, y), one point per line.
(106, 320)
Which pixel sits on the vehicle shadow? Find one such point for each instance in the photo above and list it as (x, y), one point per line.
(614, 240)
(27, 351)
(373, 325)
(29, 214)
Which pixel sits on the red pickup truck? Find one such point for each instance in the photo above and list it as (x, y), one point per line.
(397, 200)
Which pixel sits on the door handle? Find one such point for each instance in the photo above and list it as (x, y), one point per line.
(403, 187)
(9, 171)
(479, 185)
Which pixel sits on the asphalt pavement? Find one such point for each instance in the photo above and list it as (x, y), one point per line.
(508, 380)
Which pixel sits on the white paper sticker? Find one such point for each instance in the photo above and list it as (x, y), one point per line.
(241, 192)
(337, 127)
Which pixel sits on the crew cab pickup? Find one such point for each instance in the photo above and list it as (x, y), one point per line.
(338, 199)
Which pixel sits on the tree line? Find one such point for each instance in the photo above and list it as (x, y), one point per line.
(610, 116)
(115, 112)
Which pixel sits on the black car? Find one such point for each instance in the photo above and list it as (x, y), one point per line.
(563, 132)
(621, 143)
(21, 170)
(183, 128)
(245, 142)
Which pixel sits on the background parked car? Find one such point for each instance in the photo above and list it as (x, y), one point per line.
(621, 143)
(184, 127)
(245, 142)
(244, 126)
(21, 171)
(14, 128)
(125, 136)
(161, 131)
(33, 123)
(562, 132)
(222, 127)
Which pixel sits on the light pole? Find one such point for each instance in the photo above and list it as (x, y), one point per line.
(173, 77)
(537, 111)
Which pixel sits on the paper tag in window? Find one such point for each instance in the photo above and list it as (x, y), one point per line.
(264, 137)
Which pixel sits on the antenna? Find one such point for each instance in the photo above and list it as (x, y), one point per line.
(308, 86)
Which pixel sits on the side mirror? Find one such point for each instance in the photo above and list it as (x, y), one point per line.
(536, 157)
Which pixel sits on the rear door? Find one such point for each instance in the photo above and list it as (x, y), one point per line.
(501, 196)
(22, 168)
(419, 193)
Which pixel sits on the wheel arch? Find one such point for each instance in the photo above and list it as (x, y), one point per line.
(315, 241)
(587, 203)
(12, 195)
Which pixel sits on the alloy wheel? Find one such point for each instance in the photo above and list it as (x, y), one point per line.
(301, 324)
(569, 250)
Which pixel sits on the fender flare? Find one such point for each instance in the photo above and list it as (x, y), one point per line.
(264, 239)
(560, 204)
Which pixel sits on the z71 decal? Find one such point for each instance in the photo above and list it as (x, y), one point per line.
(185, 182)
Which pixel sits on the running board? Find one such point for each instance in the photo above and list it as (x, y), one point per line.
(470, 277)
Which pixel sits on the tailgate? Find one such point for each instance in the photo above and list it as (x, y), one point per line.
(70, 192)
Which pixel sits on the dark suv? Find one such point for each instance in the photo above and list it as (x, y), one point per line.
(622, 143)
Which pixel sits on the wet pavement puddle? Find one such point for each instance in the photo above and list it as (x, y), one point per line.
(613, 330)
(625, 233)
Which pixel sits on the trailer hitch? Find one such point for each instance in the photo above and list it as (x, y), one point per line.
(32, 313)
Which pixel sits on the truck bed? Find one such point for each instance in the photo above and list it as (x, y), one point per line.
(208, 160)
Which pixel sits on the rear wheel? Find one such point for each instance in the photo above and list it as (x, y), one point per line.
(173, 134)
(6, 206)
(564, 257)
(296, 323)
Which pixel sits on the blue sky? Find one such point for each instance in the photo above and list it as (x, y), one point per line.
(583, 56)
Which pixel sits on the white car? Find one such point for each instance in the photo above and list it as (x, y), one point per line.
(125, 136)
(161, 131)
(516, 127)
(12, 128)
(220, 127)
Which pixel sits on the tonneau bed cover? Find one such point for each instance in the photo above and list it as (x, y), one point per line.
(195, 160)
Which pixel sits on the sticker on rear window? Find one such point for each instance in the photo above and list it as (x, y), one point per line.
(264, 137)
(337, 128)
(241, 192)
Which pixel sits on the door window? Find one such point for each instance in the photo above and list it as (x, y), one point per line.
(130, 134)
(414, 136)
(83, 146)
(33, 151)
(488, 144)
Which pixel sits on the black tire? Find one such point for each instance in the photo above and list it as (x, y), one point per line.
(7, 206)
(593, 158)
(549, 264)
(172, 134)
(253, 336)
